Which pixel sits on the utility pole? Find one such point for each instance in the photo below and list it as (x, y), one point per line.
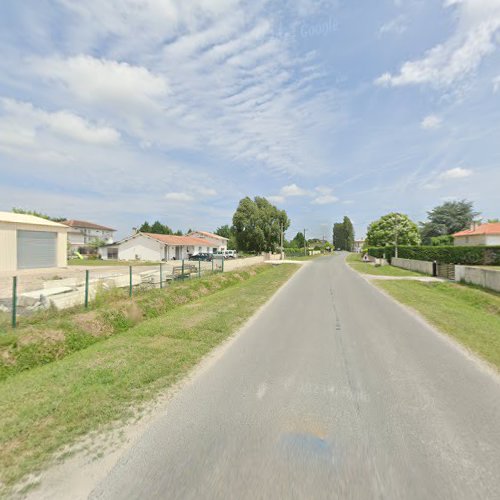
(305, 243)
(282, 240)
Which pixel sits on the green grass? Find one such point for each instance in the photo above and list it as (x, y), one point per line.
(469, 314)
(52, 406)
(100, 262)
(304, 257)
(354, 260)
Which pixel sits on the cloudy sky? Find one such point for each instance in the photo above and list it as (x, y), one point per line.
(118, 111)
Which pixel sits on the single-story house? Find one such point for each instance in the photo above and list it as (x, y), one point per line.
(478, 235)
(82, 233)
(155, 247)
(217, 243)
(30, 242)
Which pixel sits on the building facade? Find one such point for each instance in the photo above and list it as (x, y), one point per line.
(30, 242)
(217, 243)
(479, 235)
(156, 247)
(82, 234)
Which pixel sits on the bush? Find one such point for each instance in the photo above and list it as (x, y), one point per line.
(443, 254)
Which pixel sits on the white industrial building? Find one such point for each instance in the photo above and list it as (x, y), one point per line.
(30, 242)
(157, 247)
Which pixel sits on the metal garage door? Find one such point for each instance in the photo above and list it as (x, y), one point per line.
(36, 249)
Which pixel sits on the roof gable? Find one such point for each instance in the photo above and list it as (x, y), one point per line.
(86, 225)
(490, 228)
(209, 235)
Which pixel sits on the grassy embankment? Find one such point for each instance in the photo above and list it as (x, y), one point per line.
(469, 314)
(49, 407)
(354, 260)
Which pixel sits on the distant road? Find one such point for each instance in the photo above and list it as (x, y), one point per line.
(334, 391)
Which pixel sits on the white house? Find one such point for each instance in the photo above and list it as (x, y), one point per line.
(217, 243)
(155, 247)
(30, 242)
(484, 234)
(82, 233)
(358, 245)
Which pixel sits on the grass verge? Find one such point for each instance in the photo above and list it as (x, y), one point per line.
(354, 260)
(471, 315)
(49, 407)
(51, 335)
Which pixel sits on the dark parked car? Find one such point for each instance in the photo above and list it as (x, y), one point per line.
(207, 257)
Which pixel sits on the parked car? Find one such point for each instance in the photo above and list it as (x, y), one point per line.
(206, 257)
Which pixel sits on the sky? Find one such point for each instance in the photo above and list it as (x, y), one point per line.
(121, 111)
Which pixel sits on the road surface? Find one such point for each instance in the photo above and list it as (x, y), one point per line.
(333, 391)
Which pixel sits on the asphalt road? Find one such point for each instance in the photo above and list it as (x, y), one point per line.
(334, 391)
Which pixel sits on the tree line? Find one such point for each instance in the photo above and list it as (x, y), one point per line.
(442, 222)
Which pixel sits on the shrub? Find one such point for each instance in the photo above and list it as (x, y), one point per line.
(473, 255)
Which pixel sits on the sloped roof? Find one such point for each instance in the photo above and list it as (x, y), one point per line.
(210, 235)
(172, 240)
(28, 219)
(490, 228)
(87, 225)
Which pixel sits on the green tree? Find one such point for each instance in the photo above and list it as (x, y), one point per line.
(224, 231)
(392, 229)
(145, 228)
(448, 218)
(298, 241)
(339, 236)
(257, 225)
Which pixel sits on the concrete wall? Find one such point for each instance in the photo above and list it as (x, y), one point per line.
(8, 243)
(493, 239)
(487, 278)
(419, 266)
(231, 265)
(470, 241)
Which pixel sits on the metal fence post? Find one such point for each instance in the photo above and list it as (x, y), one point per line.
(161, 276)
(130, 281)
(182, 274)
(199, 269)
(87, 272)
(212, 264)
(223, 258)
(14, 301)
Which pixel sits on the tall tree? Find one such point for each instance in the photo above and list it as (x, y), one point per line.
(343, 235)
(298, 241)
(448, 218)
(392, 229)
(257, 225)
(145, 228)
(224, 231)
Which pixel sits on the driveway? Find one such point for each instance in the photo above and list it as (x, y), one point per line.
(333, 391)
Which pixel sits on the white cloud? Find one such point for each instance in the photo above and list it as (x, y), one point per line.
(455, 173)
(179, 197)
(325, 196)
(460, 55)
(431, 122)
(276, 199)
(293, 190)
(396, 26)
(26, 130)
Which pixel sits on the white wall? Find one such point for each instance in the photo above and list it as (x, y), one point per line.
(493, 239)
(141, 247)
(474, 240)
(211, 242)
(487, 278)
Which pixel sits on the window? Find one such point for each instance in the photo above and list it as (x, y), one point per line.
(113, 253)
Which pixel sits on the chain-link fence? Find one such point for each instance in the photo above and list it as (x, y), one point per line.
(31, 292)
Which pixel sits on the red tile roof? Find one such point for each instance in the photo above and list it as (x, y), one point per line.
(87, 225)
(209, 235)
(172, 240)
(490, 228)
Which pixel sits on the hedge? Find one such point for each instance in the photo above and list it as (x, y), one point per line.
(473, 255)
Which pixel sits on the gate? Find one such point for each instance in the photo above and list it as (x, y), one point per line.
(446, 271)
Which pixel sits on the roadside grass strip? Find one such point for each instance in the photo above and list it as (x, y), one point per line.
(47, 408)
(354, 260)
(471, 315)
(51, 335)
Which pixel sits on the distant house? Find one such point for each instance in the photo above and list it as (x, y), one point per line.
(217, 243)
(82, 233)
(30, 242)
(358, 246)
(156, 247)
(484, 234)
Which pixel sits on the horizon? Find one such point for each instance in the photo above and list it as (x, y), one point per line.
(174, 112)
